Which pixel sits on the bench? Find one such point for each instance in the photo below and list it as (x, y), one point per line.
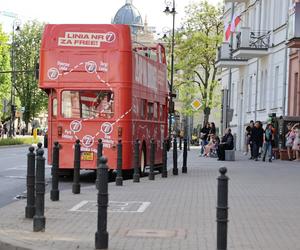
(230, 155)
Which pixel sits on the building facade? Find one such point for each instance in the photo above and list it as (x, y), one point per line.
(254, 63)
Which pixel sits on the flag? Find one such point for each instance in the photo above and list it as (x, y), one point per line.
(227, 31)
(235, 21)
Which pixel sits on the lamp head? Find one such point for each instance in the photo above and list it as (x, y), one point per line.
(167, 10)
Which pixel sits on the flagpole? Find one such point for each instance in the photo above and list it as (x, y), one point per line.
(228, 92)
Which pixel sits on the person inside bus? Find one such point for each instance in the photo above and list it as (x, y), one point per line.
(104, 106)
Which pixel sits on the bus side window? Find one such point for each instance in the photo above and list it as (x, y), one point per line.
(155, 111)
(54, 107)
(150, 110)
(162, 112)
(143, 109)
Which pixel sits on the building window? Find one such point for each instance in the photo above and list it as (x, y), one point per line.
(261, 91)
(250, 93)
(265, 89)
(275, 89)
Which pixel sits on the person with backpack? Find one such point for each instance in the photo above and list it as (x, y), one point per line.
(268, 137)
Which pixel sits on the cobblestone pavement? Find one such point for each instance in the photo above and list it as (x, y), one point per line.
(174, 213)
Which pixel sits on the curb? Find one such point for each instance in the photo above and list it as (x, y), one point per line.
(16, 146)
(11, 246)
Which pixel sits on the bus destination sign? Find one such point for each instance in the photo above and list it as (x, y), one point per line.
(86, 39)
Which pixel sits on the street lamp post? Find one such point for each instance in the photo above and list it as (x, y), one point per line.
(16, 27)
(171, 104)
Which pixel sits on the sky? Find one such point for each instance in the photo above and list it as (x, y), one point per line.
(92, 11)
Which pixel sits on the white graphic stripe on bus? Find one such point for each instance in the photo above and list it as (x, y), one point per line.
(112, 124)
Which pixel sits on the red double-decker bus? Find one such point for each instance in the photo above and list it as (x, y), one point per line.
(102, 85)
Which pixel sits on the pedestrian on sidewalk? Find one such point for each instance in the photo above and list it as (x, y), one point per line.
(268, 142)
(289, 140)
(249, 138)
(225, 144)
(257, 136)
(204, 132)
(296, 143)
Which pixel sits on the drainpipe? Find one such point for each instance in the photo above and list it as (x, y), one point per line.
(257, 65)
(284, 99)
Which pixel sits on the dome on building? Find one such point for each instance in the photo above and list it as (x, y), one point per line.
(128, 14)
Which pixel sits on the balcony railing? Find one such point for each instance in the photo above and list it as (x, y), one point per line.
(257, 40)
(251, 44)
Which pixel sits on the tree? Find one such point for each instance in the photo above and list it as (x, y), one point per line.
(26, 57)
(197, 43)
(5, 82)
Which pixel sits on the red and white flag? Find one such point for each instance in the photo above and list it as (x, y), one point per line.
(236, 20)
(227, 31)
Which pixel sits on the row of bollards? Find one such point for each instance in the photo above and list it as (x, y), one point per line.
(36, 187)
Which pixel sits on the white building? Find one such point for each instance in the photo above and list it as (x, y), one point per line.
(254, 73)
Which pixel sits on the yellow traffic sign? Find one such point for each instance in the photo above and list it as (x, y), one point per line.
(196, 104)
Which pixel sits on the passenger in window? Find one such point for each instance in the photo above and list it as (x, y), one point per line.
(104, 106)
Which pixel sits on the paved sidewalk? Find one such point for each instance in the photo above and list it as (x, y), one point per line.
(174, 213)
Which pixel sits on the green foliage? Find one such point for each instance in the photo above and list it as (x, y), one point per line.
(19, 140)
(10, 141)
(5, 81)
(196, 46)
(26, 56)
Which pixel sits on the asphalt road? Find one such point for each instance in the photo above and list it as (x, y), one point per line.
(13, 170)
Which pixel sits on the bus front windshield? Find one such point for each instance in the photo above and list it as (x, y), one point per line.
(87, 104)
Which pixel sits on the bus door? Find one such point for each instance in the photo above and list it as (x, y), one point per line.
(52, 122)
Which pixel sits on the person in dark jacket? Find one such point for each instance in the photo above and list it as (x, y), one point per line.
(225, 144)
(268, 142)
(257, 138)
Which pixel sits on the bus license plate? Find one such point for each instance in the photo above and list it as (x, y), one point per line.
(87, 156)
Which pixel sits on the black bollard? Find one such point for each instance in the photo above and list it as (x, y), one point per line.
(99, 155)
(119, 178)
(222, 210)
(101, 236)
(152, 159)
(54, 193)
(164, 173)
(180, 143)
(39, 220)
(76, 184)
(184, 165)
(136, 174)
(30, 208)
(175, 168)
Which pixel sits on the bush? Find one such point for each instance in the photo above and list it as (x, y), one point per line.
(10, 141)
